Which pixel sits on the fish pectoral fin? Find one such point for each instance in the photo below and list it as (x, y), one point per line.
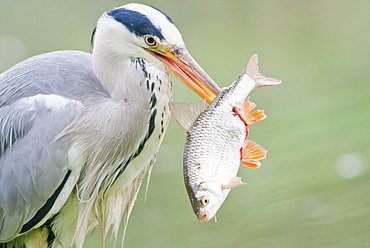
(186, 113)
(235, 182)
(251, 153)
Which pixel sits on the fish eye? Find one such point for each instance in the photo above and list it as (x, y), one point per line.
(150, 41)
(204, 200)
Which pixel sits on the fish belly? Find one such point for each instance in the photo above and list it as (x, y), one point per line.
(212, 150)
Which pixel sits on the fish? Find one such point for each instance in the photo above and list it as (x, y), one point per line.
(216, 142)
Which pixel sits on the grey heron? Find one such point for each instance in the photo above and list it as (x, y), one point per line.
(80, 131)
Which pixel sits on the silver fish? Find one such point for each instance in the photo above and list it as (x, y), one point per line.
(217, 142)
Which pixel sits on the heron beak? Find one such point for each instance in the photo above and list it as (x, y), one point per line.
(179, 63)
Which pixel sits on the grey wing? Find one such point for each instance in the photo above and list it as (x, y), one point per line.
(32, 164)
(36, 104)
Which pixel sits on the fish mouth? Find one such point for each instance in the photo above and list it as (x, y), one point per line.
(203, 217)
(180, 64)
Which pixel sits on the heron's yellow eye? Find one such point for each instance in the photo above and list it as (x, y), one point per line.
(204, 200)
(150, 41)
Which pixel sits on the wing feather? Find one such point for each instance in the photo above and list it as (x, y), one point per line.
(39, 98)
(32, 165)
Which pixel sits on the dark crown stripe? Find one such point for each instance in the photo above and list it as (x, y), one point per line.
(135, 22)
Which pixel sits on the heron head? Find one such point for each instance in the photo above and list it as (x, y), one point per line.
(140, 31)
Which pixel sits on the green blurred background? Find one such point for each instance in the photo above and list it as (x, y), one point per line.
(313, 188)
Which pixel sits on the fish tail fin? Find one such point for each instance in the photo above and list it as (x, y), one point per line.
(251, 153)
(253, 71)
(254, 117)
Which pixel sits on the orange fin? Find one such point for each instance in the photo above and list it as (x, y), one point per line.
(254, 117)
(246, 115)
(254, 164)
(251, 153)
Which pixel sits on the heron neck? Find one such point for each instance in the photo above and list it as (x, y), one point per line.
(118, 75)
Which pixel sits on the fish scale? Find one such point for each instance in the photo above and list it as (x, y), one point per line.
(212, 154)
(217, 143)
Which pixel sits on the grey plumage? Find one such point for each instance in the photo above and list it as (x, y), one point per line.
(26, 137)
(32, 139)
(79, 132)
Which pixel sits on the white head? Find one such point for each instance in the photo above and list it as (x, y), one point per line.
(136, 31)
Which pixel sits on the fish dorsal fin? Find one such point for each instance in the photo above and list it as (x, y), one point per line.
(251, 153)
(234, 182)
(186, 113)
(253, 71)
